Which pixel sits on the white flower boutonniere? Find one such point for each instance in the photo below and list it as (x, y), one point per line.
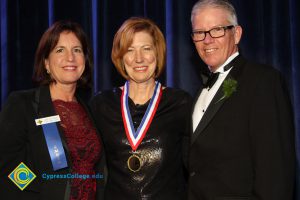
(229, 87)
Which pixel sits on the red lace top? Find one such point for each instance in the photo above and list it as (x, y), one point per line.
(84, 147)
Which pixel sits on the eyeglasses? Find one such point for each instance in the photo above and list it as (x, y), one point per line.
(214, 33)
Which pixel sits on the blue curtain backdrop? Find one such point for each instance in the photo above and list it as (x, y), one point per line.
(269, 36)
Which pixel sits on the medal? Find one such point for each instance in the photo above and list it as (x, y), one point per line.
(134, 162)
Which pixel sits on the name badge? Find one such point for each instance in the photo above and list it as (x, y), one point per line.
(53, 141)
(47, 120)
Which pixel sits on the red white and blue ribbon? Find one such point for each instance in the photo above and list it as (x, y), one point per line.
(136, 137)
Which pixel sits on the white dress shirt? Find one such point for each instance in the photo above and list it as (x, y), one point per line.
(208, 94)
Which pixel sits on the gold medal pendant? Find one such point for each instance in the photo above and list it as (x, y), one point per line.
(134, 163)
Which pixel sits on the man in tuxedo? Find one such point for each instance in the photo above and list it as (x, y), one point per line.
(242, 145)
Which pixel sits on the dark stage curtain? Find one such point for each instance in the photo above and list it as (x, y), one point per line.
(269, 36)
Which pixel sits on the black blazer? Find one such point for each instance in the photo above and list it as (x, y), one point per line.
(22, 141)
(243, 148)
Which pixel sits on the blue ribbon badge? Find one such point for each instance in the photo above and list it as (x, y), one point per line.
(53, 140)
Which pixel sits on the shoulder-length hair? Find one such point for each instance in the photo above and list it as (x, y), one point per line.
(48, 42)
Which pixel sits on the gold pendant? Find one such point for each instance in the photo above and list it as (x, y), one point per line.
(134, 163)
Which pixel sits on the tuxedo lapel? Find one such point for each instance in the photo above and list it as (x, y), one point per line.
(217, 101)
(213, 107)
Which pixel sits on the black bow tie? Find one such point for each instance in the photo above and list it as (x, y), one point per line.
(212, 78)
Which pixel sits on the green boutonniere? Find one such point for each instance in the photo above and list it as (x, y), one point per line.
(229, 87)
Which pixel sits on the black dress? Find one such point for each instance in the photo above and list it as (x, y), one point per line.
(162, 171)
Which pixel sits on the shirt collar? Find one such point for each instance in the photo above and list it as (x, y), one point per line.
(229, 59)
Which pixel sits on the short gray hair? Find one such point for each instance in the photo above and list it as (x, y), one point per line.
(222, 4)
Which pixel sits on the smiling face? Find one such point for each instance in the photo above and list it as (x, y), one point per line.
(215, 51)
(140, 59)
(66, 62)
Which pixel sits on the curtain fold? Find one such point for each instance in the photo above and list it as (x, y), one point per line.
(294, 28)
(3, 59)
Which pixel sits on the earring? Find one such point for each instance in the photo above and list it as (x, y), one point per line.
(48, 72)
